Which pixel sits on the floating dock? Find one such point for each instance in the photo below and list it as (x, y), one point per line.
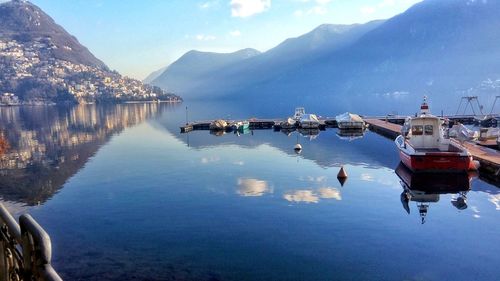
(254, 124)
(489, 158)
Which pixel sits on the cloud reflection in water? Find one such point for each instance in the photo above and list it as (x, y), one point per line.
(312, 196)
(252, 187)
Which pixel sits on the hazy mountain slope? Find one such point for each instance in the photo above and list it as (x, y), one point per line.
(22, 21)
(437, 47)
(184, 74)
(154, 75)
(220, 78)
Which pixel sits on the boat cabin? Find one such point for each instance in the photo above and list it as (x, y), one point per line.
(425, 133)
(299, 111)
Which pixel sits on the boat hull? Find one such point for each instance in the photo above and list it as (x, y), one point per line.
(309, 125)
(436, 161)
(351, 125)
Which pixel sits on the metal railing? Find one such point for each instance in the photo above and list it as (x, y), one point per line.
(25, 249)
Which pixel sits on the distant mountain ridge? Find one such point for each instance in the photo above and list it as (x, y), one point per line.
(292, 52)
(437, 47)
(196, 65)
(154, 75)
(23, 21)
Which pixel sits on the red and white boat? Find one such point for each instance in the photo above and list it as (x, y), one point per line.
(427, 148)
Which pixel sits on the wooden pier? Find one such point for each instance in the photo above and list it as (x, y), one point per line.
(489, 158)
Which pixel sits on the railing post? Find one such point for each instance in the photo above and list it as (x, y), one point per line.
(25, 250)
(37, 251)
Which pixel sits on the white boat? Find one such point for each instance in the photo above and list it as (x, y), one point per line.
(288, 124)
(428, 148)
(349, 121)
(309, 121)
(299, 111)
(460, 132)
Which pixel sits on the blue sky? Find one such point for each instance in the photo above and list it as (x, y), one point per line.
(137, 37)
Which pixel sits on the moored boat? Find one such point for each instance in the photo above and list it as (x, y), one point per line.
(299, 111)
(427, 147)
(349, 121)
(245, 126)
(288, 124)
(218, 125)
(309, 121)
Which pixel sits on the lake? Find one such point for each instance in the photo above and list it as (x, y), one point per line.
(125, 196)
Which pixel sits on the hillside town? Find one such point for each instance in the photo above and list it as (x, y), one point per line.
(29, 74)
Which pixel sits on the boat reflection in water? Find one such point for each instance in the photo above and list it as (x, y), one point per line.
(350, 134)
(426, 188)
(311, 133)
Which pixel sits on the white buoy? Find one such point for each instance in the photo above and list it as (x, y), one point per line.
(297, 147)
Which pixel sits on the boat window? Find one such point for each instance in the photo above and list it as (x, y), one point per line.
(429, 130)
(417, 130)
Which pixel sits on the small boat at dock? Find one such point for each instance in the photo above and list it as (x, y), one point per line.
(299, 111)
(289, 123)
(350, 121)
(240, 126)
(218, 125)
(309, 121)
(427, 146)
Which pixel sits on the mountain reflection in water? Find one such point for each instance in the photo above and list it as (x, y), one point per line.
(41, 147)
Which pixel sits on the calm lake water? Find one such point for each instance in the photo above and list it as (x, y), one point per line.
(125, 196)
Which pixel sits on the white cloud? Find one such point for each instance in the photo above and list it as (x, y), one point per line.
(235, 33)
(367, 10)
(203, 37)
(208, 4)
(387, 3)
(246, 8)
(391, 3)
(316, 10)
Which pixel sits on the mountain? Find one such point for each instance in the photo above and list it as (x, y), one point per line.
(154, 75)
(41, 63)
(189, 70)
(257, 67)
(22, 21)
(437, 47)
